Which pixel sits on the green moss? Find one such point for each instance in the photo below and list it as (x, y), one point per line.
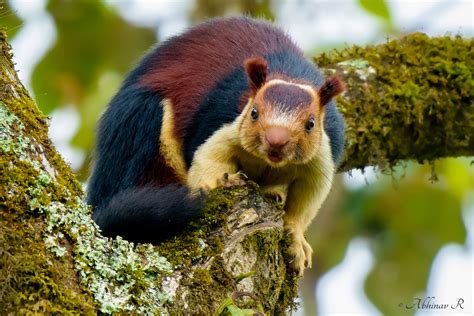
(31, 282)
(289, 289)
(267, 245)
(196, 245)
(410, 98)
(30, 279)
(215, 281)
(240, 304)
(199, 247)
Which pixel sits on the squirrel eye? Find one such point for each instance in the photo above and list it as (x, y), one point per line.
(310, 124)
(254, 113)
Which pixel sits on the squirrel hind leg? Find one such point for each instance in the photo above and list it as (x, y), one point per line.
(300, 251)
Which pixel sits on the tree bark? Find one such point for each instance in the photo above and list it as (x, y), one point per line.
(410, 98)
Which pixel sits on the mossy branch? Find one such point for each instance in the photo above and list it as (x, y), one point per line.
(410, 98)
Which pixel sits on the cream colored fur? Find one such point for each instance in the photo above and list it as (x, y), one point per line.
(171, 148)
(213, 158)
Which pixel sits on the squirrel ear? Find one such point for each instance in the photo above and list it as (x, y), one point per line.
(330, 88)
(256, 69)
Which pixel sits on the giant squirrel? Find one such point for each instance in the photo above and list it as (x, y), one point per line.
(228, 98)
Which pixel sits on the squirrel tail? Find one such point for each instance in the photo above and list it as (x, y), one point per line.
(148, 214)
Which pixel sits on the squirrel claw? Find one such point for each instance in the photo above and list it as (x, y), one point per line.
(275, 197)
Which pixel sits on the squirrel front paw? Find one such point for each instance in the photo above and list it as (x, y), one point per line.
(233, 179)
(226, 180)
(300, 252)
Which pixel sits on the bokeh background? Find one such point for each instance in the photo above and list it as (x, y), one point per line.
(382, 239)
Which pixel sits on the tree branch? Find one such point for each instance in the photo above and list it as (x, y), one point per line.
(408, 99)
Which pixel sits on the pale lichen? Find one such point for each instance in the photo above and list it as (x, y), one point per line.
(122, 277)
(9, 124)
(360, 67)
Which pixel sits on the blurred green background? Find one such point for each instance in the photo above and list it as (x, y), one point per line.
(381, 240)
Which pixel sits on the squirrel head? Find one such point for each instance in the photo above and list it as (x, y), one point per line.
(282, 122)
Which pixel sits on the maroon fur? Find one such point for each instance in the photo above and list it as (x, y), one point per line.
(256, 69)
(330, 88)
(186, 67)
(287, 96)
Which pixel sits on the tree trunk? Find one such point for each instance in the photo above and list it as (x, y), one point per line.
(410, 98)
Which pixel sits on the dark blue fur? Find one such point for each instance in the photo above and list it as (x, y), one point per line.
(128, 136)
(220, 106)
(334, 127)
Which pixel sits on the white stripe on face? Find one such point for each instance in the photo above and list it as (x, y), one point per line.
(305, 87)
(282, 118)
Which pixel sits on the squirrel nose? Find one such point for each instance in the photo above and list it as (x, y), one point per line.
(277, 136)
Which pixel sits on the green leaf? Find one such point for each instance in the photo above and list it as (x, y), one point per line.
(378, 8)
(228, 301)
(235, 311)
